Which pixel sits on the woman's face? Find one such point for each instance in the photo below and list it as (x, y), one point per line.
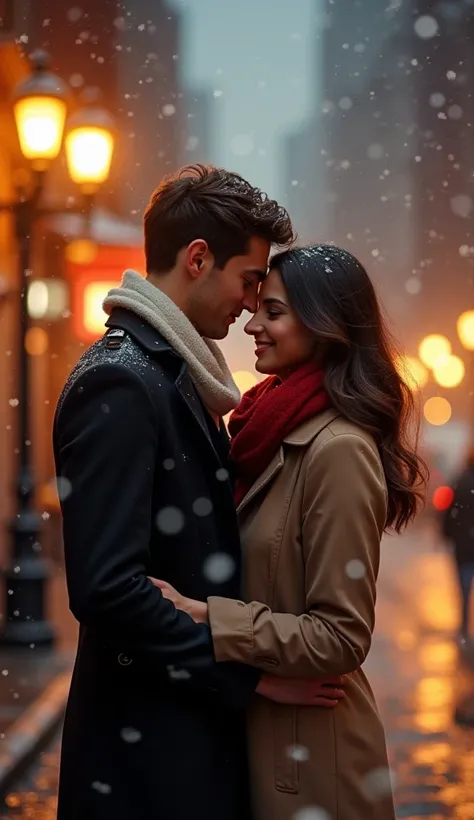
(282, 342)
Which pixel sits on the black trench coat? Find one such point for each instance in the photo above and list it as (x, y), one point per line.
(154, 727)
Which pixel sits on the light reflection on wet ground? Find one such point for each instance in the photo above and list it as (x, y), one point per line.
(35, 797)
(424, 682)
(424, 685)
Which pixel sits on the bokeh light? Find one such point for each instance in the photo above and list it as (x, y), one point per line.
(36, 341)
(81, 251)
(443, 498)
(465, 328)
(433, 348)
(412, 371)
(437, 410)
(449, 371)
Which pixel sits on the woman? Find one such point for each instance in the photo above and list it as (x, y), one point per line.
(323, 467)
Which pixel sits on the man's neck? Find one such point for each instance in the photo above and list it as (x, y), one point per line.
(171, 287)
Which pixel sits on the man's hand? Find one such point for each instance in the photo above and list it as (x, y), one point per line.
(325, 692)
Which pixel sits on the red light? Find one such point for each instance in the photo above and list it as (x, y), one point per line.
(443, 498)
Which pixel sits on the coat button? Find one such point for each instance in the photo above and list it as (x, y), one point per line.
(124, 660)
(240, 603)
(268, 661)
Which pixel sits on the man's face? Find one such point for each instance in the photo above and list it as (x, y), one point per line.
(220, 296)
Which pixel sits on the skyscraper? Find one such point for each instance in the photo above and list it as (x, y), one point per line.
(152, 104)
(361, 145)
(198, 145)
(443, 79)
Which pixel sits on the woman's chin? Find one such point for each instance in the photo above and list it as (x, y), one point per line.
(261, 366)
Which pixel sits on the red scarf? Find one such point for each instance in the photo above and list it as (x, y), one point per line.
(267, 413)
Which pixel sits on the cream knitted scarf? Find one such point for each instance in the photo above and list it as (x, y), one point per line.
(207, 366)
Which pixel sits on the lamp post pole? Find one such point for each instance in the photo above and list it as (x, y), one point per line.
(27, 574)
(40, 112)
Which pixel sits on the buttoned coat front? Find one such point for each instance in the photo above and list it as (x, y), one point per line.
(311, 528)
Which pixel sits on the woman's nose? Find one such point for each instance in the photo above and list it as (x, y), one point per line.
(253, 327)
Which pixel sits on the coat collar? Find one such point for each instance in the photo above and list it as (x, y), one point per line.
(143, 333)
(299, 437)
(153, 342)
(306, 432)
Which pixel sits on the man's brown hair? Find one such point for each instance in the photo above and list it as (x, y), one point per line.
(218, 206)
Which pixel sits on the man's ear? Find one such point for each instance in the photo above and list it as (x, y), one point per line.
(198, 259)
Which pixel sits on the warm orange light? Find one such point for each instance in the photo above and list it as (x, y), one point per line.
(437, 410)
(433, 693)
(443, 498)
(40, 124)
(244, 380)
(412, 371)
(90, 283)
(36, 341)
(81, 251)
(465, 328)
(449, 371)
(94, 317)
(433, 348)
(89, 154)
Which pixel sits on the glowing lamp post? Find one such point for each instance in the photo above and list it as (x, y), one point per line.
(89, 148)
(40, 113)
(40, 108)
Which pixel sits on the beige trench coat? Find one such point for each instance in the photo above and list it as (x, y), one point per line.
(311, 529)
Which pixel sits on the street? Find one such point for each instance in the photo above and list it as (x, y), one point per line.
(424, 685)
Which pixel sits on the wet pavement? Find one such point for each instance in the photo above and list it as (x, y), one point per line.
(424, 683)
(24, 673)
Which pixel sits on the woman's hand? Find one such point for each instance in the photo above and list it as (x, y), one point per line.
(196, 609)
(325, 692)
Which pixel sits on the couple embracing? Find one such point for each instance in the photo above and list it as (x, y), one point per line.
(224, 580)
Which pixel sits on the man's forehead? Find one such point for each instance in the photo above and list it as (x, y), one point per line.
(260, 273)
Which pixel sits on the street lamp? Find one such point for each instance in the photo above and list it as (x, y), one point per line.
(89, 147)
(40, 107)
(40, 113)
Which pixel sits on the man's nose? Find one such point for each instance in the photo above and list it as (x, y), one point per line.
(250, 302)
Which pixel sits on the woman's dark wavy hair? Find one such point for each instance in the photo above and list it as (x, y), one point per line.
(333, 296)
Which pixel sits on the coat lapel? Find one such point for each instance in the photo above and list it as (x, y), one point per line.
(155, 344)
(189, 395)
(300, 437)
(273, 468)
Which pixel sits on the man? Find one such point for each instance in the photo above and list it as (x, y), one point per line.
(154, 727)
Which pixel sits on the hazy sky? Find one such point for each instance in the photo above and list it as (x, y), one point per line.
(257, 56)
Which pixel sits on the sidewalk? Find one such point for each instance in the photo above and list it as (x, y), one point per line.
(33, 688)
(423, 681)
(424, 686)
